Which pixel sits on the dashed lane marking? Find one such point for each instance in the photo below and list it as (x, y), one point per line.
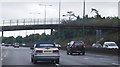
(115, 64)
(85, 58)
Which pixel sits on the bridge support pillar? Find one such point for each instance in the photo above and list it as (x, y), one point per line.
(51, 32)
(2, 34)
(98, 35)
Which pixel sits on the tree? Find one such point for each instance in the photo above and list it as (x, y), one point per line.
(19, 39)
(9, 40)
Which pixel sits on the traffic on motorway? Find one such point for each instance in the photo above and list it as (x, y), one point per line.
(49, 55)
(65, 33)
(50, 51)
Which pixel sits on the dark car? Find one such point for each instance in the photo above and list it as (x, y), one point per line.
(6, 45)
(76, 47)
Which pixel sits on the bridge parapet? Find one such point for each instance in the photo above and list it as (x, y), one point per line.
(29, 21)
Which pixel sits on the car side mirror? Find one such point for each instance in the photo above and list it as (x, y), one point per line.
(106, 45)
(31, 48)
(58, 47)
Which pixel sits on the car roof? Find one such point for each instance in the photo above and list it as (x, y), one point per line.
(77, 41)
(109, 42)
(44, 42)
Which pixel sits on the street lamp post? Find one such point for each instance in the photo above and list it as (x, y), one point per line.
(34, 18)
(45, 12)
(83, 20)
(59, 18)
(59, 10)
(34, 15)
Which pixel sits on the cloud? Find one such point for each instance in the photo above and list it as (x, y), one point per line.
(58, 0)
(119, 9)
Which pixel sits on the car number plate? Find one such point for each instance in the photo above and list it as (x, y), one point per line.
(78, 51)
(48, 51)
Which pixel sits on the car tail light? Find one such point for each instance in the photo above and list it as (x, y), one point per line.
(55, 50)
(84, 45)
(39, 51)
(73, 45)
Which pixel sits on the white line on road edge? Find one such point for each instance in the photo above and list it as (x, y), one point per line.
(6, 53)
(115, 64)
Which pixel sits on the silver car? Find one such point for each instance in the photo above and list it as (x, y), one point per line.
(45, 51)
(96, 45)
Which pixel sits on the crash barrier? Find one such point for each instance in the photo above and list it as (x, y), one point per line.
(103, 51)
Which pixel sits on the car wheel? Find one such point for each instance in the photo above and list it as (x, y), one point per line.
(67, 53)
(34, 61)
(70, 53)
(83, 53)
(57, 61)
(31, 59)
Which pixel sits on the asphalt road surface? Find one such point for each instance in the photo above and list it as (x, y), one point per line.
(21, 56)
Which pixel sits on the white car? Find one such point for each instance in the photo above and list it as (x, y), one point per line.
(110, 45)
(45, 51)
(16, 45)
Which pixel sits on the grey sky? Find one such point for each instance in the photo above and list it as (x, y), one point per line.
(119, 9)
(22, 10)
(18, 9)
(58, 0)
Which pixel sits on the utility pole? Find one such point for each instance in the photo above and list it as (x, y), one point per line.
(59, 16)
(84, 9)
(83, 19)
(59, 9)
(34, 16)
(45, 5)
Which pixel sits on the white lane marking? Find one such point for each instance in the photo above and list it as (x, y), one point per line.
(57, 64)
(5, 54)
(85, 58)
(101, 58)
(98, 55)
(115, 64)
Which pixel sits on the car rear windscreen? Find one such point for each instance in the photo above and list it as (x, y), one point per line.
(78, 43)
(45, 45)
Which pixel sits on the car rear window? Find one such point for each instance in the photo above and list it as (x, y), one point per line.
(112, 44)
(78, 43)
(45, 45)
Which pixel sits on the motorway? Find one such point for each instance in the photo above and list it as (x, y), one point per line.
(21, 56)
